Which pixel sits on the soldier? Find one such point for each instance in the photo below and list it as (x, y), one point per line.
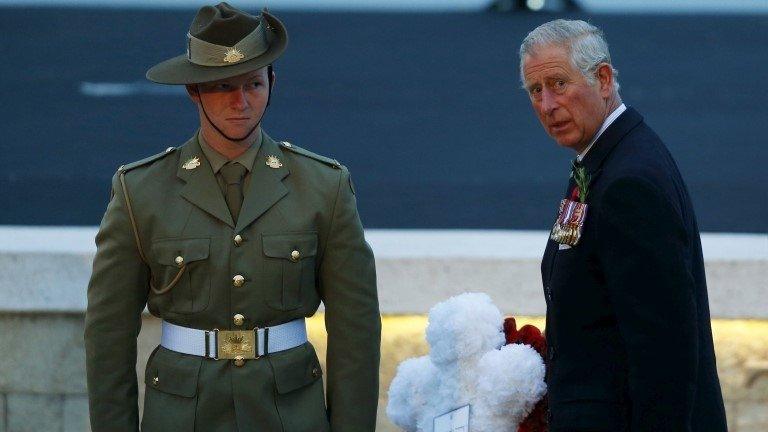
(232, 239)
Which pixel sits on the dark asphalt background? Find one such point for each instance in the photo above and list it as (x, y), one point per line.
(425, 110)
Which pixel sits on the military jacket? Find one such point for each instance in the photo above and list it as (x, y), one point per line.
(304, 203)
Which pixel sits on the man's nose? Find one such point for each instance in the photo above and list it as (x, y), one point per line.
(548, 102)
(237, 98)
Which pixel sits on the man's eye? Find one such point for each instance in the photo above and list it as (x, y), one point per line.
(560, 84)
(223, 86)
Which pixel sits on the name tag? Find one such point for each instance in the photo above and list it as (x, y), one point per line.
(454, 421)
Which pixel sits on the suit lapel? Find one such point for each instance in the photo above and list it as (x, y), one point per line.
(201, 188)
(593, 163)
(610, 138)
(266, 184)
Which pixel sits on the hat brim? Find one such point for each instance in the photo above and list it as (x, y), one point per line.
(179, 70)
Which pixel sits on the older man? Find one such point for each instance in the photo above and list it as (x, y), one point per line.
(628, 326)
(232, 239)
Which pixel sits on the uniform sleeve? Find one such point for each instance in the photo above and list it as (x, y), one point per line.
(352, 320)
(643, 245)
(117, 294)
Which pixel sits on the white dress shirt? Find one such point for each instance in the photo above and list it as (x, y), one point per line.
(608, 120)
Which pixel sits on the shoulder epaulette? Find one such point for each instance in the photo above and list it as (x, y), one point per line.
(304, 152)
(145, 161)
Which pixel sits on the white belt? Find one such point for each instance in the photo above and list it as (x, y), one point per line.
(234, 344)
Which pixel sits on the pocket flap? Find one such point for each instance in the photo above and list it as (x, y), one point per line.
(295, 368)
(167, 250)
(282, 245)
(173, 373)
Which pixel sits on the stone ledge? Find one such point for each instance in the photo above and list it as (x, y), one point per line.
(416, 269)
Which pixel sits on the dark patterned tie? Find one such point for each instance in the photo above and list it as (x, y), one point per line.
(233, 174)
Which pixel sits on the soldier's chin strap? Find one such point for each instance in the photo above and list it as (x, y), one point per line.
(221, 132)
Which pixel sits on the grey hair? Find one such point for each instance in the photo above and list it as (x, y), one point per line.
(585, 43)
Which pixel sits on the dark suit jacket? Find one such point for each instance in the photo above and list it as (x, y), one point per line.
(628, 327)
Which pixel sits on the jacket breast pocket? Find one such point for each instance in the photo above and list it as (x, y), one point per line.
(299, 394)
(289, 269)
(181, 273)
(170, 398)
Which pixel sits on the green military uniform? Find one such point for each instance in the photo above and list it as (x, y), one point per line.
(169, 241)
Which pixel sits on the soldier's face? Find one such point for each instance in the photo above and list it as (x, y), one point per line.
(569, 107)
(235, 105)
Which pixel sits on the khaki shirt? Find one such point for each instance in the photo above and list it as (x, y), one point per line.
(218, 160)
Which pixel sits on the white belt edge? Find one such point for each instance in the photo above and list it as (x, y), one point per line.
(192, 341)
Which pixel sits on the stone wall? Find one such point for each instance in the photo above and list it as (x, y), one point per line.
(42, 373)
(44, 272)
(42, 385)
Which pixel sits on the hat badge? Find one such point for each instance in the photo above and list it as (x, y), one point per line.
(233, 55)
(274, 162)
(192, 163)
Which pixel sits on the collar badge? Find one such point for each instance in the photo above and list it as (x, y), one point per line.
(274, 162)
(192, 163)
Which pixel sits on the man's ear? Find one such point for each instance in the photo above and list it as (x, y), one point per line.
(605, 78)
(193, 92)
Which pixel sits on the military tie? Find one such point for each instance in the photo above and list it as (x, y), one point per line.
(233, 174)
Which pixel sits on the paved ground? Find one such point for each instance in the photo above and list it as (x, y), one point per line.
(425, 110)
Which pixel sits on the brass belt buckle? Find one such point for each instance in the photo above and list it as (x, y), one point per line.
(233, 344)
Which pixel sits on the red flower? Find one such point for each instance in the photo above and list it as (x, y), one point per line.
(510, 330)
(529, 335)
(575, 194)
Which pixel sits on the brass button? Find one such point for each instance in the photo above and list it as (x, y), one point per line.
(239, 361)
(238, 280)
(155, 381)
(238, 240)
(179, 260)
(295, 255)
(238, 319)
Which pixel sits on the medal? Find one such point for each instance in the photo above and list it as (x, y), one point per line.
(573, 210)
(570, 220)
